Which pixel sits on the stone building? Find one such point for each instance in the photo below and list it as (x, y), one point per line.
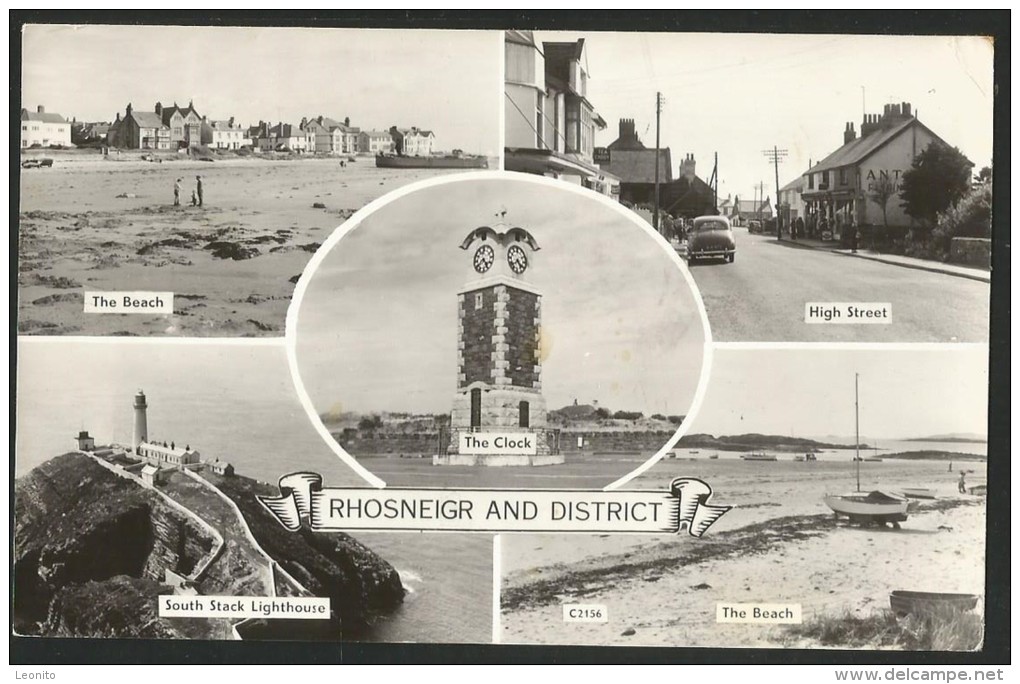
(499, 380)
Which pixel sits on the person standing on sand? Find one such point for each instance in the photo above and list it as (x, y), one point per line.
(963, 482)
(177, 192)
(198, 189)
(194, 199)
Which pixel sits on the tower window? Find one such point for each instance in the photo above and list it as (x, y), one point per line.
(478, 301)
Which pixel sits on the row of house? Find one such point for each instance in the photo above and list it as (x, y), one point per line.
(858, 183)
(176, 127)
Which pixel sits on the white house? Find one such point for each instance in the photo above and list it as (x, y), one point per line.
(223, 135)
(44, 129)
(418, 143)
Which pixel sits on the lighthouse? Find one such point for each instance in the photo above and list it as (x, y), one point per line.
(499, 413)
(141, 430)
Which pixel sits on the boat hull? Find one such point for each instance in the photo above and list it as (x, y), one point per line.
(385, 162)
(905, 602)
(859, 508)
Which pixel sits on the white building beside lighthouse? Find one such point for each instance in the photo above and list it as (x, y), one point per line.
(159, 454)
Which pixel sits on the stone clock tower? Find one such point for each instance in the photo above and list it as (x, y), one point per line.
(499, 413)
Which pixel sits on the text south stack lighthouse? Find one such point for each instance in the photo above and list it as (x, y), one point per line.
(499, 413)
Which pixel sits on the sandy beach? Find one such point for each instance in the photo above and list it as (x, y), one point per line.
(89, 223)
(778, 545)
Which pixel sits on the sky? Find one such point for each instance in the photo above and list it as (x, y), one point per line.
(377, 327)
(740, 94)
(230, 399)
(904, 393)
(446, 81)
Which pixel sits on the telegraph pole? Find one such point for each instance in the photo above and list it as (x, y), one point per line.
(775, 155)
(715, 187)
(658, 112)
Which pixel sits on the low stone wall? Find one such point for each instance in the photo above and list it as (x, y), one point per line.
(971, 251)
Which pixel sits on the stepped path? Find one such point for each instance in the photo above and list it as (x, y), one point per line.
(240, 570)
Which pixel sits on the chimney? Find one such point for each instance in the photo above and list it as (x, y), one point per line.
(870, 124)
(906, 109)
(687, 167)
(127, 110)
(230, 122)
(159, 109)
(41, 109)
(849, 134)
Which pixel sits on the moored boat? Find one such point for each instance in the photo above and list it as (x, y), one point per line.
(386, 161)
(759, 456)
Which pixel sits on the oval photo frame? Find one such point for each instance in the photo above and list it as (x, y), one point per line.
(506, 268)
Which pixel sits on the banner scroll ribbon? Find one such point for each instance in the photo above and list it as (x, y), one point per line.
(304, 501)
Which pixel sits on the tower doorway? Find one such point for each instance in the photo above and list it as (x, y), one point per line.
(525, 414)
(476, 407)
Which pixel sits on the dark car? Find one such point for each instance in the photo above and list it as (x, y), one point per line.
(711, 238)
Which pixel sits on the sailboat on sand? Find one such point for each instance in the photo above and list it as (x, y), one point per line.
(866, 508)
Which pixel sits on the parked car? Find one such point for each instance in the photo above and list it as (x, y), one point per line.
(711, 237)
(754, 226)
(36, 163)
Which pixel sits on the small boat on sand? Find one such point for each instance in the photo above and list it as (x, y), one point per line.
(874, 507)
(865, 508)
(906, 602)
(918, 492)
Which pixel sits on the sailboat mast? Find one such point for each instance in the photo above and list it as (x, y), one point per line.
(857, 431)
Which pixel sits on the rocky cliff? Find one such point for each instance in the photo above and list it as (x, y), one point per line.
(77, 525)
(92, 548)
(361, 585)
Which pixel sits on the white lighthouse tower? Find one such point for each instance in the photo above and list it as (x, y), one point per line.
(141, 425)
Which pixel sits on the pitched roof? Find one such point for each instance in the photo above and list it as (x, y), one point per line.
(222, 125)
(856, 150)
(44, 117)
(168, 112)
(638, 166)
(146, 119)
(377, 134)
(796, 184)
(752, 207)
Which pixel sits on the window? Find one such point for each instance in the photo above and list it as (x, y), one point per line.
(525, 414)
(842, 176)
(478, 301)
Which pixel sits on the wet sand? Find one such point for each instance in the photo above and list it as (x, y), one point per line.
(778, 545)
(232, 263)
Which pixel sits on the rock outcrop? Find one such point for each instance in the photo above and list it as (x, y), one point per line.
(361, 585)
(92, 550)
(77, 523)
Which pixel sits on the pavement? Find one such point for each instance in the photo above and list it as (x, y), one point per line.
(957, 270)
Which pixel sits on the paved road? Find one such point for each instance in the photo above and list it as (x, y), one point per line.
(761, 297)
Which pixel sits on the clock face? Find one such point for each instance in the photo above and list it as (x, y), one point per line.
(517, 259)
(484, 258)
